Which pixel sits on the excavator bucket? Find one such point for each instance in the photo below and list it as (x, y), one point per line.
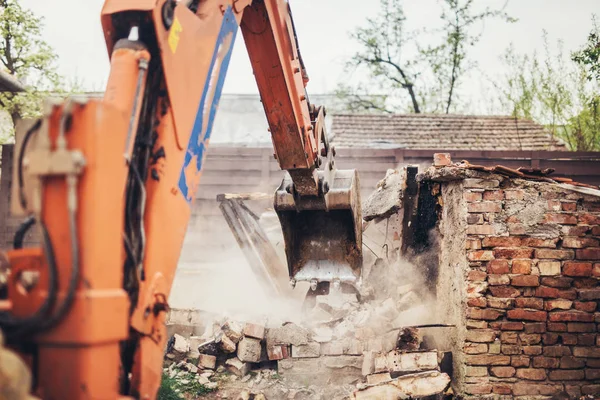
(323, 234)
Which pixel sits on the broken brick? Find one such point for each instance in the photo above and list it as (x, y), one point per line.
(550, 305)
(537, 242)
(501, 241)
(504, 291)
(483, 313)
(579, 243)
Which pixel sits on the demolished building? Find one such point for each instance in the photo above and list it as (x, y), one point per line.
(502, 268)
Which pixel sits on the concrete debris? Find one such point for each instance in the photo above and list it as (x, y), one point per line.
(249, 350)
(206, 361)
(312, 349)
(233, 330)
(225, 343)
(289, 334)
(418, 385)
(254, 331)
(181, 346)
(375, 379)
(386, 199)
(237, 367)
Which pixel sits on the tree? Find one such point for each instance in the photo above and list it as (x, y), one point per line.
(589, 56)
(553, 90)
(401, 67)
(25, 55)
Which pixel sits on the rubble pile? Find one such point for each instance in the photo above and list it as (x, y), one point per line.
(356, 343)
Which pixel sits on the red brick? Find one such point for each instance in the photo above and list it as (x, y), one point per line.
(483, 313)
(568, 339)
(487, 359)
(585, 283)
(502, 388)
(550, 338)
(517, 229)
(521, 266)
(511, 349)
(497, 280)
(525, 280)
(578, 327)
(592, 374)
(567, 362)
(529, 302)
(480, 255)
(566, 375)
(589, 219)
(508, 337)
(498, 267)
(596, 230)
(548, 292)
(555, 218)
(557, 327)
(545, 362)
(536, 242)
(502, 372)
(504, 291)
(579, 243)
(577, 269)
(514, 194)
(596, 270)
(475, 348)
(480, 388)
(480, 335)
(586, 339)
(531, 374)
(512, 252)
(519, 361)
(535, 327)
(472, 196)
(475, 289)
(501, 241)
(481, 230)
(441, 159)
(473, 244)
(557, 351)
(592, 363)
(499, 302)
(530, 338)
(591, 352)
(588, 306)
(589, 294)
(558, 282)
(592, 253)
(477, 276)
(484, 207)
(476, 324)
(530, 389)
(511, 326)
(477, 302)
(550, 305)
(569, 206)
(532, 350)
(590, 389)
(474, 219)
(579, 230)
(493, 195)
(553, 205)
(527, 315)
(554, 254)
(571, 316)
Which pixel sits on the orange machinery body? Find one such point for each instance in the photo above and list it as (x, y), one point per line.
(157, 111)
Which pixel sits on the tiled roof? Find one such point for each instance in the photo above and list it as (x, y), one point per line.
(440, 131)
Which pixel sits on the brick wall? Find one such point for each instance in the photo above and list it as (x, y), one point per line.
(531, 267)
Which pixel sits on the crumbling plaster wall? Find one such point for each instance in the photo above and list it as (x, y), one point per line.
(528, 256)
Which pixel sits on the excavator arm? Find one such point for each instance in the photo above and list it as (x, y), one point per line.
(110, 184)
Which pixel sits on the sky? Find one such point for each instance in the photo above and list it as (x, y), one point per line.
(72, 28)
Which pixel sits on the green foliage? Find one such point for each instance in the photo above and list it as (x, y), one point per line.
(26, 55)
(414, 77)
(171, 387)
(589, 56)
(553, 90)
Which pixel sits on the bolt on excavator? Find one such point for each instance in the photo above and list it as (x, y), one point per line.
(110, 184)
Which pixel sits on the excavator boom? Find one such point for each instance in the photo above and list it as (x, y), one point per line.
(110, 183)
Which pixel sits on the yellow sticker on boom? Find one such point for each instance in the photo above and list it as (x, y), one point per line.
(174, 33)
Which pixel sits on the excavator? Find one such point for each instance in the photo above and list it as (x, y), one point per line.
(110, 184)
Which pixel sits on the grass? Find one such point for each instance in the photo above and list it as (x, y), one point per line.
(170, 388)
